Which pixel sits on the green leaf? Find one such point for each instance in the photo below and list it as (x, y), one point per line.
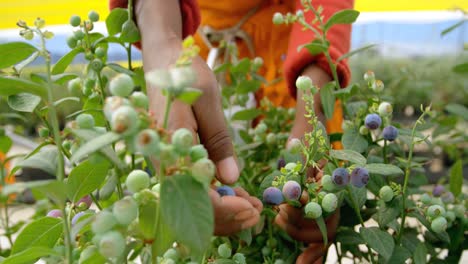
(30, 255)
(347, 16)
(247, 114)
(452, 27)
(115, 20)
(246, 236)
(243, 66)
(461, 68)
(58, 78)
(383, 169)
(95, 143)
(456, 178)
(354, 52)
(349, 155)
(352, 140)
(349, 237)
(24, 102)
(399, 255)
(387, 212)
(14, 52)
(191, 219)
(43, 232)
(12, 85)
(130, 32)
(379, 240)
(420, 254)
(328, 99)
(66, 99)
(5, 144)
(120, 69)
(323, 229)
(247, 86)
(189, 95)
(45, 160)
(165, 237)
(86, 178)
(63, 63)
(457, 109)
(94, 107)
(315, 47)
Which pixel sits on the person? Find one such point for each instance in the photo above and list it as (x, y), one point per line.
(164, 24)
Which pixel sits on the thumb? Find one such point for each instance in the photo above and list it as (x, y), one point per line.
(212, 127)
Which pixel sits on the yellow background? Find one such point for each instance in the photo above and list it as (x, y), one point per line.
(59, 11)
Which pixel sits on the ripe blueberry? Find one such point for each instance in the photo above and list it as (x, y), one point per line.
(447, 197)
(390, 133)
(373, 121)
(292, 190)
(86, 200)
(438, 190)
(359, 177)
(313, 210)
(137, 180)
(281, 163)
(340, 176)
(121, 85)
(272, 195)
(225, 191)
(329, 202)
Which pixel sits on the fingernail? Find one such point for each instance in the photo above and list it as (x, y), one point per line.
(228, 171)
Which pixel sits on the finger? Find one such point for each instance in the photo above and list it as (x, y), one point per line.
(253, 200)
(312, 254)
(302, 234)
(212, 128)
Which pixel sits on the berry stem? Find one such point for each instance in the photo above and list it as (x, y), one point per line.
(384, 152)
(167, 110)
(407, 174)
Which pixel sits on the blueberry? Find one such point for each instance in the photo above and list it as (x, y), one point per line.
(147, 142)
(327, 183)
(273, 195)
(390, 133)
(85, 200)
(137, 180)
(439, 224)
(103, 222)
(239, 258)
(426, 199)
(304, 83)
(85, 121)
(340, 176)
(438, 190)
(292, 190)
(373, 121)
(172, 254)
(278, 18)
(203, 170)
(435, 210)
(112, 244)
(93, 16)
(281, 163)
(448, 197)
(386, 193)
(76, 218)
(55, 213)
(75, 20)
(124, 120)
(125, 211)
(224, 250)
(225, 191)
(121, 85)
(329, 202)
(385, 109)
(359, 177)
(198, 152)
(313, 210)
(182, 140)
(139, 100)
(459, 210)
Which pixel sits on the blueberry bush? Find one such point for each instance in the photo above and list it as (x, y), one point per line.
(127, 190)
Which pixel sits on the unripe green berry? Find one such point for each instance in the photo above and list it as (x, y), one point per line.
(426, 199)
(435, 210)
(260, 129)
(385, 109)
(103, 222)
(172, 254)
(147, 142)
(121, 85)
(137, 180)
(75, 20)
(304, 83)
(294, 145)
(97, 65)
(239, 258)
(224, 251)
(439, 224)
(459, 210)
(28, 35)
(313, 210)
(198, 152)
(369, 76)
(139, 100)
(87, 253)
(79, 35)
(377, 86)
(85, 121)
(329, 202)
(43, 132)
(386, 193)
(125, 211)
(72, 42)
(112, 104)
(124, 120)
(278, 18)
(112, 244)
(266, 251)
(93, 16)
(100, 52)
(450, 215)
(290, 166)
(327, 183)
(271, 139)
(74, 86)
(182, 140)
(203, 170)
(363, 130)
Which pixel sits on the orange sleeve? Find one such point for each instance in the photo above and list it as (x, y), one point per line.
(189, 10)
(339, 37)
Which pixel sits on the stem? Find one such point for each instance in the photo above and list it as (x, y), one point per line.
(58, 142)
(384, 151)
(7, 219)
(129, 56)
(358, 213)
(166, 111)
(95, 201)
(407, 174)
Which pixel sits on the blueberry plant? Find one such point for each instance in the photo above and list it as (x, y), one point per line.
(127, 189)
